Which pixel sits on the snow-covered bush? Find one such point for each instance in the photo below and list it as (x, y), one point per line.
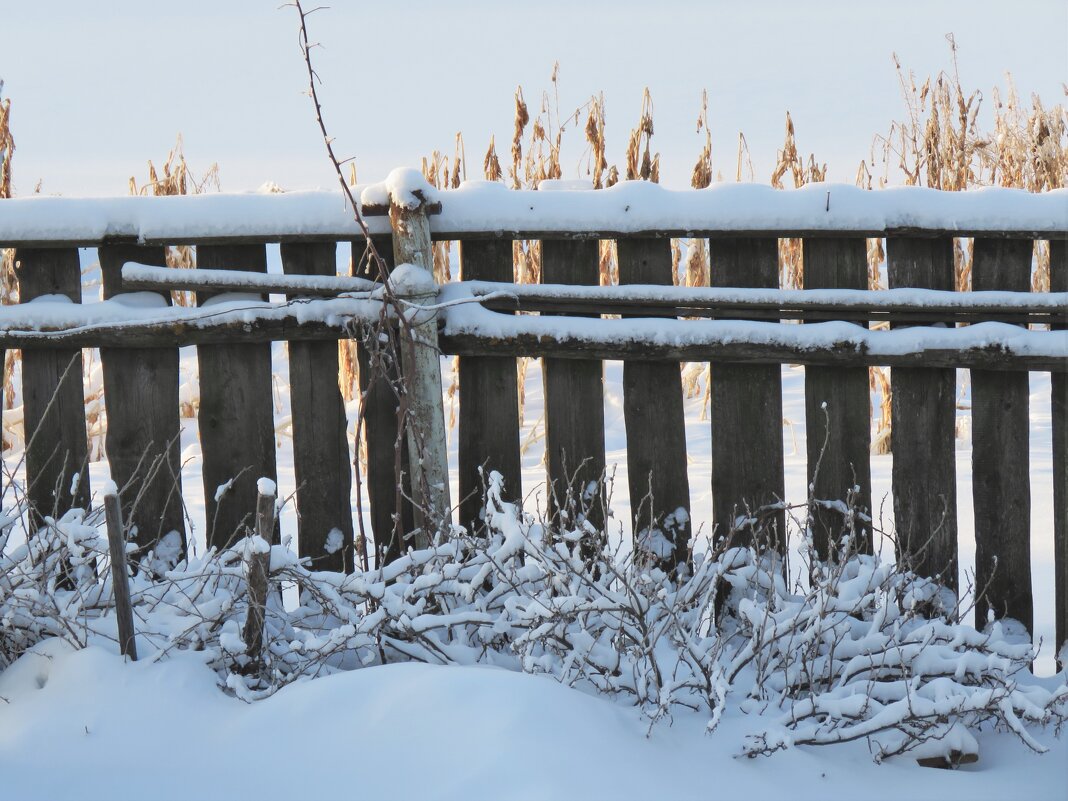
(865, 651)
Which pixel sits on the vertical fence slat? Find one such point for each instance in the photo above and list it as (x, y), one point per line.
(1001, 483)
(141, 398)
(236, 415)
(574, 393)
(320, 448)
(655, 420)
(489, 396)
(922, 428)
(746, 403)
(845, 426)
(52, 393)
(379, 407)
(1058, 249)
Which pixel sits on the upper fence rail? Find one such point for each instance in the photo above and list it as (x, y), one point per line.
(487, 210)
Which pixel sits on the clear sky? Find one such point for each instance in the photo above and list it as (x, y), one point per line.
(99, 88)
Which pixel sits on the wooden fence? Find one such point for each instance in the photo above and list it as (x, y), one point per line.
(745, 330)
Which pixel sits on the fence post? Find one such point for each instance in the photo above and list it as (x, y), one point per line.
(837, 263)
(488, 428)
(120, 582)
(236, 418)
(746, 407)
(141, 398)
(53, 396)
(1058, 282)
(320, 450)
(412, 282)
(258, 564)
(1001, 485)
(655, 421)
(923, 427)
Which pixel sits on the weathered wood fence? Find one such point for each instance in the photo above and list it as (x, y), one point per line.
(999, 337)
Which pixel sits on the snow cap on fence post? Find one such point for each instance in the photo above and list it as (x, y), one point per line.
(412, 286)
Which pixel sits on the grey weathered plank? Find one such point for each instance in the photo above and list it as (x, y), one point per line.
(655, 421)
(922, 424)
(52, 393)
(746, 408)
(236, 415)
(141, 398)
(574, 397)
(321, 459)
(386, 451)
(839, 432)
(489, 397)
(1001, 484)
(1059, 283)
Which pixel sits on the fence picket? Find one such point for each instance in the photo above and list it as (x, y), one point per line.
(845, 426)
(390, 514)
(574, 394)
(1058, 279)
(655, 421)
(321, 459)
(236, 415)
(52, 394)
(1001, 484)
(489, 397)
(746, 406)
(141, 398)
(923, 427)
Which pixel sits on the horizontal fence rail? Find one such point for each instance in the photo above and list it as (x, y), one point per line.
(744, 325)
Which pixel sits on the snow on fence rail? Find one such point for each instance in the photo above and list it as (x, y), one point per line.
(991, 331)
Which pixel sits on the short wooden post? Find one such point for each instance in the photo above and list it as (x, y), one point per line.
(391, 516)
(924, 475)
(141, 397)
(414, 287)
(236, 417)
(574, 397)
(320, 450)
(120, 581)
(53, 396)
(489, 397)
(656, 425)
(746, 408)
(1058, 279)
(1001, 484)
(844, 425)
(258, 565)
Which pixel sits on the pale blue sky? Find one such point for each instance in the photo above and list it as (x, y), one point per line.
(98, 88)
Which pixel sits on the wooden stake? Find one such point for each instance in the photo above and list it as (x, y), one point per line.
(119, 580)
(259, 569)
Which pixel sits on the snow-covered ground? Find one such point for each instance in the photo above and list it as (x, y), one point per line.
(83, 725)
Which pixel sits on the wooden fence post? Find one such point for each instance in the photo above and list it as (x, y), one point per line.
(845, 425)
(922, 426)
(120, 581)
(656, 424)
(258, 564)
(574, 394)
(1058, 279)
(320, 447)
(141, 398)
(52, 392)
(1001, 483)
(236, 416)
(746, 406)
(489, 397)
(421, 368)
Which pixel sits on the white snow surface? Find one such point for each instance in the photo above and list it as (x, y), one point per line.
(628, 207)
(420, 731)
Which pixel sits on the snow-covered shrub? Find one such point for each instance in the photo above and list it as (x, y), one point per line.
(865, 651)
